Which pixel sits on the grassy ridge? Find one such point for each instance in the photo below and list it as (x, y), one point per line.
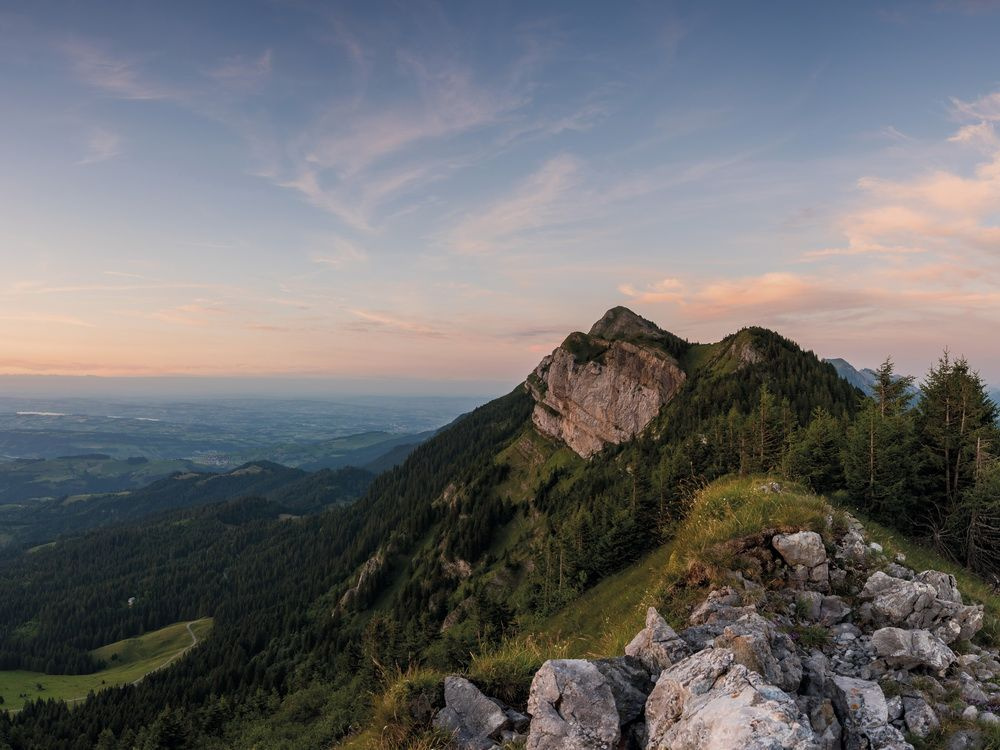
(129, 660)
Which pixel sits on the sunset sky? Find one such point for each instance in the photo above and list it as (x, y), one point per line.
(443, 191)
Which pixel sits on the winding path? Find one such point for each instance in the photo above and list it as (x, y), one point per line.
(194, 642)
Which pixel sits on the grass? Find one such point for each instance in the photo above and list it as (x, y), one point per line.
(707, 544)
(128, 661)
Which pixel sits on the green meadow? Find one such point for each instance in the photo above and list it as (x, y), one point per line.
(128, 661)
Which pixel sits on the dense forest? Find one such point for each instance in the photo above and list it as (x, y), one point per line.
(465, 543)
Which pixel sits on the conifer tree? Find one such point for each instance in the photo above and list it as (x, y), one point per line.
(880, 452)
(814, 457)
(956, 425)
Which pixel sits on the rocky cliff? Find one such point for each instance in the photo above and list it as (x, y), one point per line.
(605, 386)
(837, 647)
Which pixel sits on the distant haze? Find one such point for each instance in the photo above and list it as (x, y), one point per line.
(165, 388)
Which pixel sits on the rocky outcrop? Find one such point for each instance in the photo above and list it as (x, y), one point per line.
(918, 604)
(788, 664)
(909, 649)
(604, 387)
(711, 702)
(657, 646)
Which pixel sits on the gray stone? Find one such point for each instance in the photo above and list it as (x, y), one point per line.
(970, 690)
(864, 713)
(471, 717)
(754, 643)
(916, 604)
(709, 702)
(657, 646)
(802, 548)
(912, 648)
(572, 707)
(630, 685)
(919, 716)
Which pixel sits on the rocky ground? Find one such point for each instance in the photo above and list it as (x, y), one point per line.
(839, 647)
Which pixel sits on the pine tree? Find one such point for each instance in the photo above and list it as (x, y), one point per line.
(978, 518)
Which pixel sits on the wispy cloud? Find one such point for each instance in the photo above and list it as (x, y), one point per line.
(537, 202)
(338, 252)
(101, 146)
(378, 321)
(244, 74)
(114, 76)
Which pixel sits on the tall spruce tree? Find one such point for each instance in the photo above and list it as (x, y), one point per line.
(814, 457)
(879, 455)
(956, 425)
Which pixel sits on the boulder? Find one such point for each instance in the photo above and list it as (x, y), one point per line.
(912, 648)
(710, 702)
(802, 548)
(919, 716)
(630, 685)
(470, 717)
(721, 605)
(657, 646)
(572, 707)
(759, 647)
(864, 713)
(804, 552)
(916, 604)
(944, 584)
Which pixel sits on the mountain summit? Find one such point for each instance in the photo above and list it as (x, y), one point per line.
(605, 386)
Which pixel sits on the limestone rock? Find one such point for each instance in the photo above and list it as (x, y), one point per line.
(916, 604)
(657, 646)
(802, 548)
(709, 702)
(919, 716)
(473, 719)
(864, 712)
(572, 707)
(604, 387)
(912, 648)
(759, 647)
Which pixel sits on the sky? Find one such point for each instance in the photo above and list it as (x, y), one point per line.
(440, 192)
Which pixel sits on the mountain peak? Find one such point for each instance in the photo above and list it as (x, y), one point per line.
(621, 323)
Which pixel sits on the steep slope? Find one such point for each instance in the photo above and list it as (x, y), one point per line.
(486, 527)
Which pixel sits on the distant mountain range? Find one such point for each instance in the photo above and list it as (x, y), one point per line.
(864, 378)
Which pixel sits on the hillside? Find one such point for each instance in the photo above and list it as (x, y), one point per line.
(295, 490)
(786, 623)
(484, 529)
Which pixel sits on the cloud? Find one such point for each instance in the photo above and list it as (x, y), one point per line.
(339, 252)
(101, 146)
(378, 321)
(937, 211)
(240, 73)
(537, 202)
(114, 76)
(66, 320)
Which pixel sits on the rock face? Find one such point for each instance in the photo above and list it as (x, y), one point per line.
(710, 702)
(604, 387)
